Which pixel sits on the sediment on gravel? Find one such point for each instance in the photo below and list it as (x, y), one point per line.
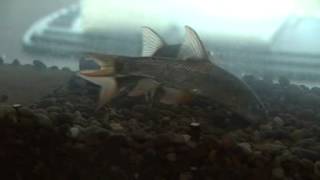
(61, 136)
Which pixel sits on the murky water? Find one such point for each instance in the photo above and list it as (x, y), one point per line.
(16, 18)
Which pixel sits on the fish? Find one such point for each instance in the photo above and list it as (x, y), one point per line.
(175, 78)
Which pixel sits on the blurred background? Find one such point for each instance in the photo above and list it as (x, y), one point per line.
(262, 37)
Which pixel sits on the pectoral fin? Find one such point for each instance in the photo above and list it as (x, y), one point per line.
(109, 88)
(143, 87)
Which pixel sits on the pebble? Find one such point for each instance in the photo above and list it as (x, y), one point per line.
(27, 122)
(54, 68)
(180, 139)
(283, 81)
(66, 69)
(266, 127)
(185, 176)
(26, 112)
(307, 164)
(7, 114)
(278, 122)
(278, 173)
(4, 98)
(246, 147)
(116, 127)
(306, 153)
(269, 147)
(16, 62)
(96, 130)
(74, 131)
(48, 102)
(212, 155)
(298, 134)
(38, 65)
(278, 133)
(64, 119)
(172, 157)
(43, 120)
(316, 168)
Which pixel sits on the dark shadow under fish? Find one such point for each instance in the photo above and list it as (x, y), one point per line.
(178, 78)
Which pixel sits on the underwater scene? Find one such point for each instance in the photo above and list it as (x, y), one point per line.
(160, 90)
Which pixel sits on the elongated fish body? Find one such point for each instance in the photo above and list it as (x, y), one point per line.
(191, 72)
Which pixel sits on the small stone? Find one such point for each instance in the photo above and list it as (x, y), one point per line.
(27, 122)
(7, 114)
(278, 173)
(43, 120)
(54, 109)
(269, 147)
(39, 65)
(283, 81)
(16, 62)
(306, 163)
(69, 105)
(246, 147)
(306, 153)
(64, 119)
(171, 157)
(298, 134)
(139, 108)
(116, 127)
(316, 168)
(74, 132)
(277, 133)
(53, 115)
(278, 122)
(186, 137)
(266, 127)
(66, 69)
(54, 68)
(48, 102)
(179, 139)
(94, 122)
(26, 112)
(212, 156)
(96, 130)
(4, 98)
(185, 176)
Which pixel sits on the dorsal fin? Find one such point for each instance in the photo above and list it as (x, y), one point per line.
(151, 42)
(192, 47)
